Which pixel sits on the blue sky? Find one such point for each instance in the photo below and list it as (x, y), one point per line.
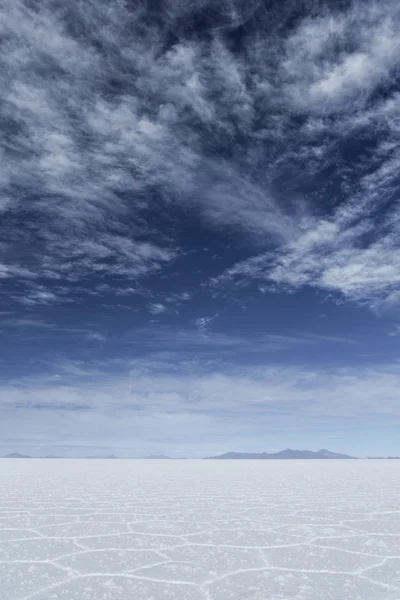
(199, 227)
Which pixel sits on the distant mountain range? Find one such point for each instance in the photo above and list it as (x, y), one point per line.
(102, 457)
(383, 457)
(158, 457)
(16, 455)
(287, 454)
(162, 457)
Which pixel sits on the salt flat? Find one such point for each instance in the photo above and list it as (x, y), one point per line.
(199, 530)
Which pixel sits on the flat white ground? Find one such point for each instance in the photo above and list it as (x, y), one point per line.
(199, 530)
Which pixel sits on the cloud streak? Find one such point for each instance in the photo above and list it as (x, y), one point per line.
(117, 118)
(144, 400)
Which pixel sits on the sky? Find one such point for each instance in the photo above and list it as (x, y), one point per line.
(199, 227)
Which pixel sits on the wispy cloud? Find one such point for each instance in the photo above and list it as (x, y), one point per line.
(202, 323)
(156, 308)
(23, 322)
(145, 400)
(395, 331)
(213, 347)
(331, 258)
(333, 62)
(96, 336)
(106, 119)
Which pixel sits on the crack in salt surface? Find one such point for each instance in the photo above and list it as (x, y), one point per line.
(230, 518)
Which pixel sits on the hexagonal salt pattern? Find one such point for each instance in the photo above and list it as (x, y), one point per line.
(199, 530)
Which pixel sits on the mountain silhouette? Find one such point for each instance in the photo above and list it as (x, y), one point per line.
(287, 454)
(17, 455)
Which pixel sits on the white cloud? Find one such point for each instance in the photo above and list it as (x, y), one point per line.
(88, 154)
(233, 137)
(24, 322)
(150, 401)
(156, 308)
(214, 346)
(395, 331)
(331, 257)
(202, 323)
(334, 62)
(97, 337)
